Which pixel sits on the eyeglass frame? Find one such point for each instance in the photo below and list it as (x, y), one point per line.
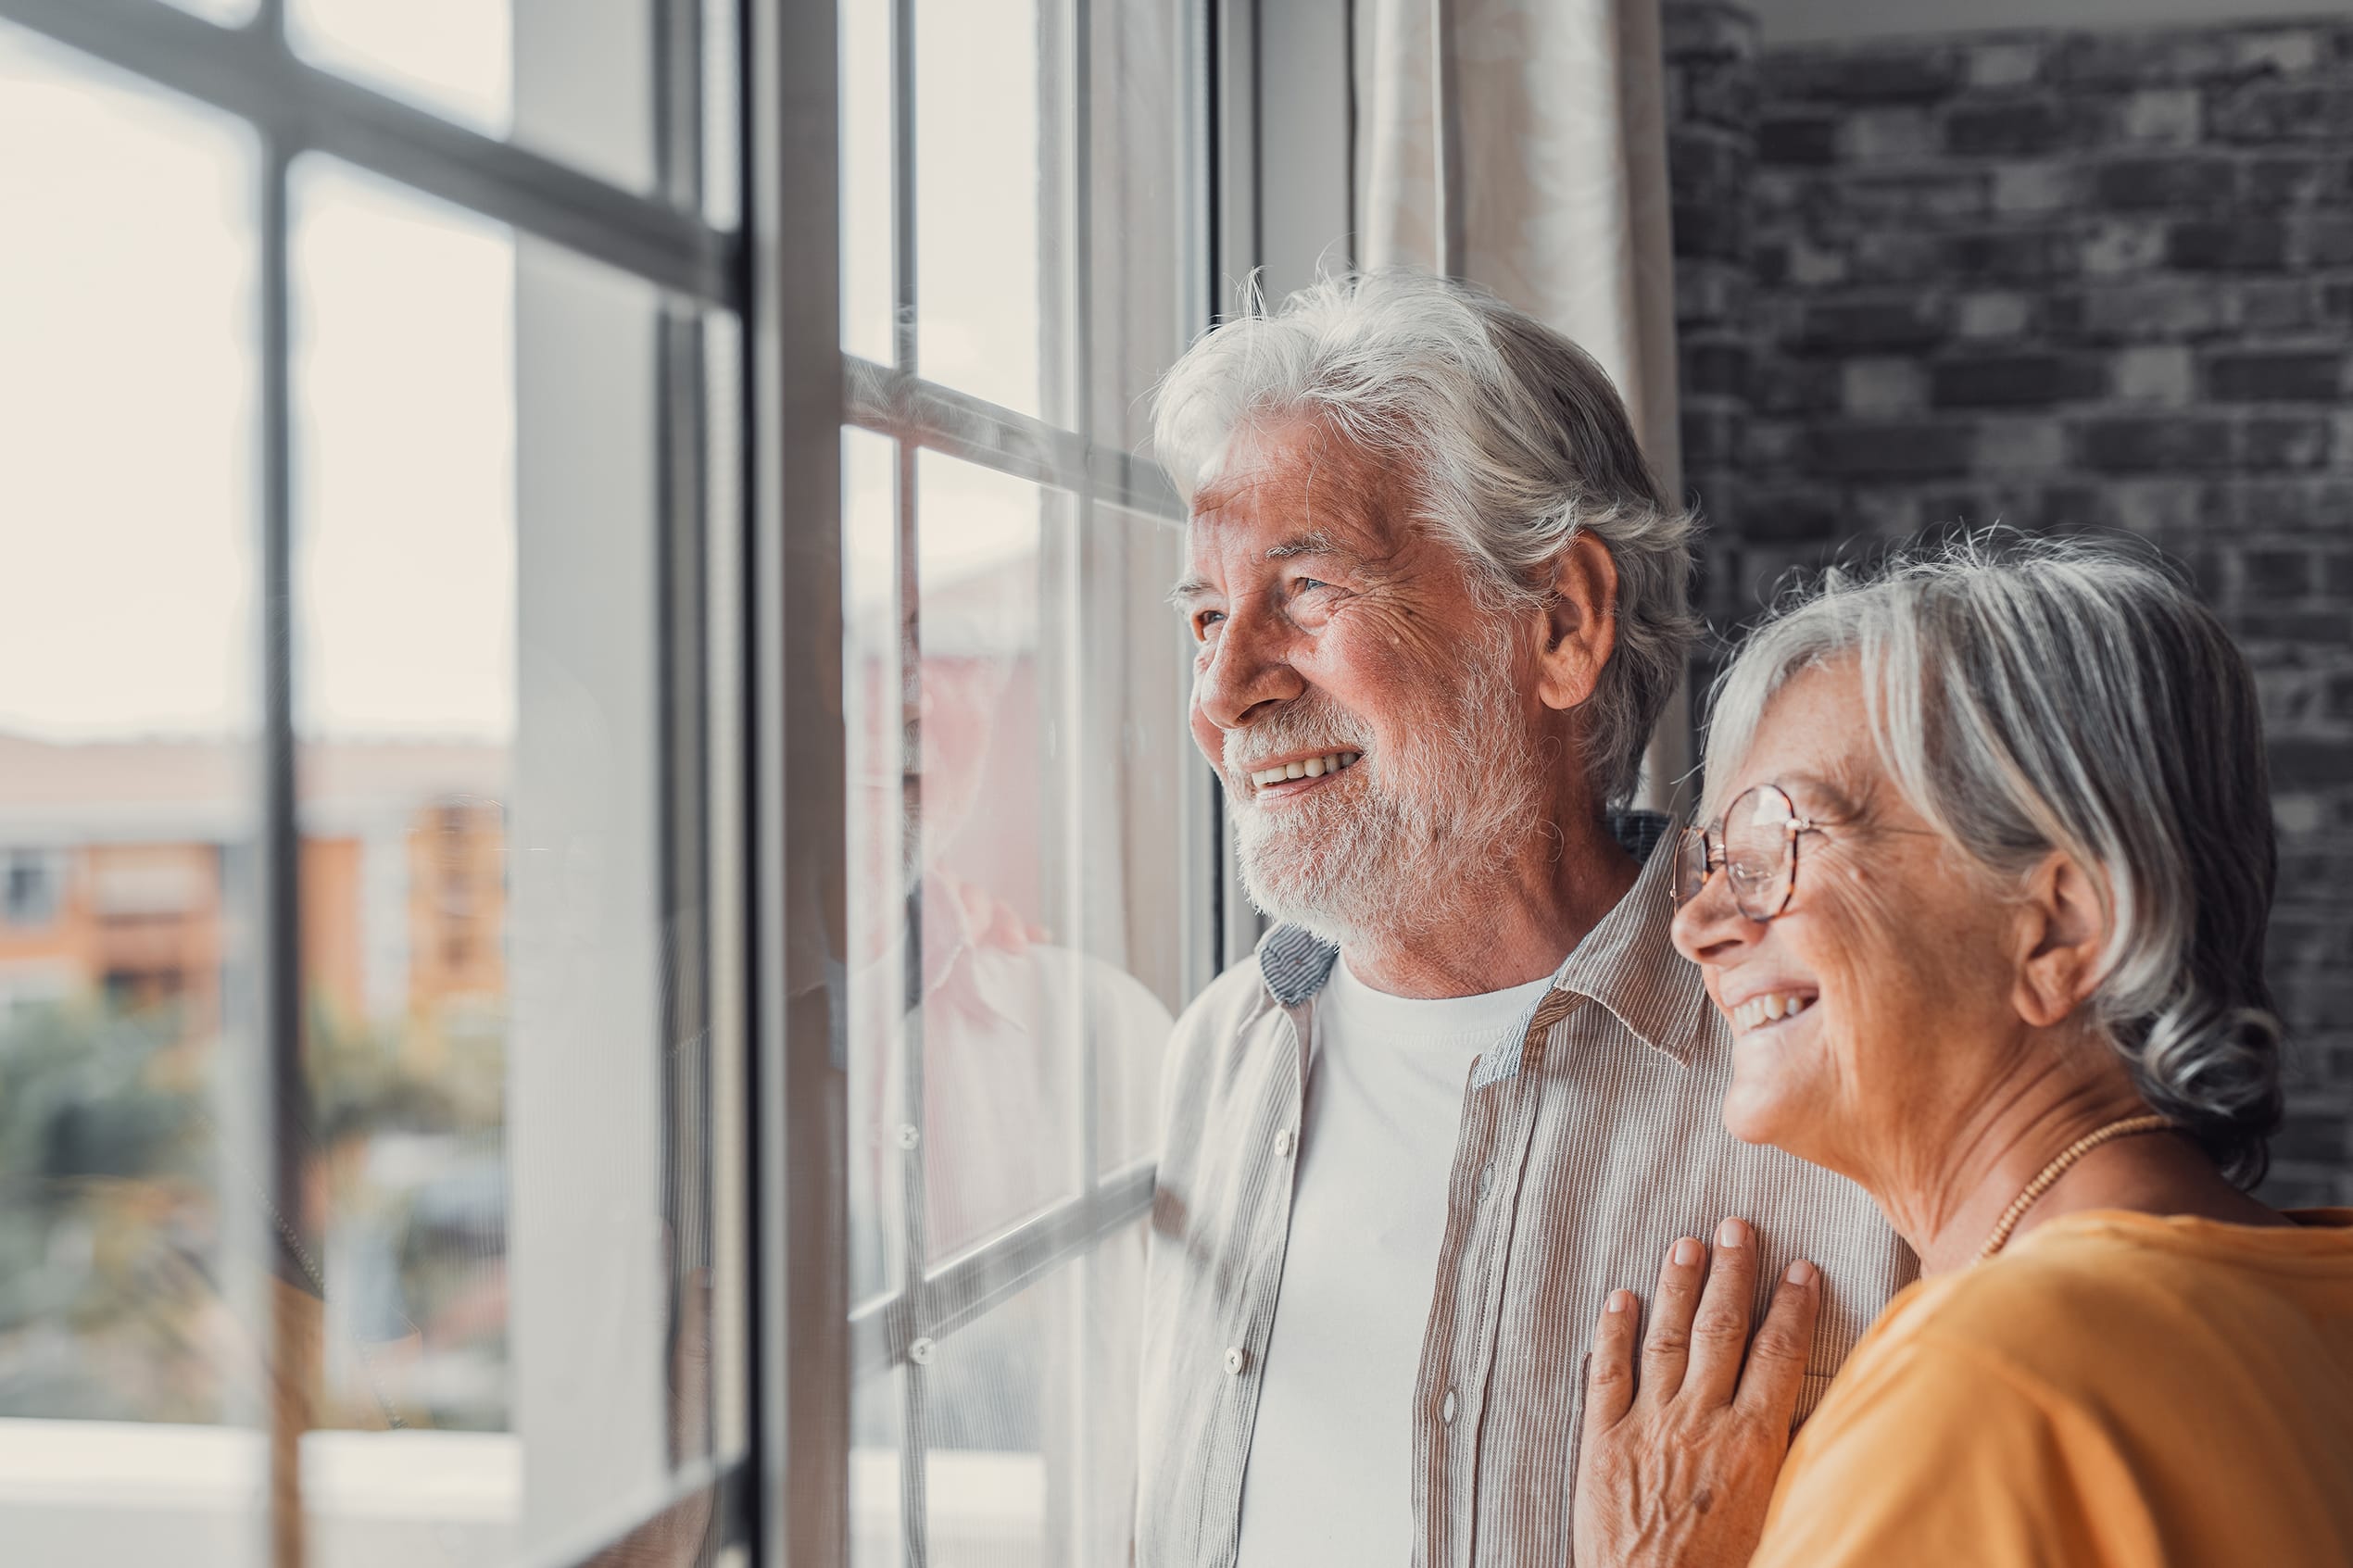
(1715, 856)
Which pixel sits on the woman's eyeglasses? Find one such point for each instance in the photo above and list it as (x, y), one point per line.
(1754, 842)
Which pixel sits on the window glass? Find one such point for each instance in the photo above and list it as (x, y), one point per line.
(987, 168)
(228, 13)
(503, 920)
(131, 1372)
(576, 81)
(1144, 279)
(868, 304)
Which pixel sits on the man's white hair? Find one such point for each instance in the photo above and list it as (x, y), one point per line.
(1508, 437)
(2033, 695)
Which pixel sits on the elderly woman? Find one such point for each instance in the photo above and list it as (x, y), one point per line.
(1984, 899)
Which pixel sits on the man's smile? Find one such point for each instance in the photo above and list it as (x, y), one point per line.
(1298, 774)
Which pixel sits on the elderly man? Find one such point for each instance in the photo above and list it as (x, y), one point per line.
(1467, 1087)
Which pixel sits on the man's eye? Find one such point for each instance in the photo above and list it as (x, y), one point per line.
(1205, 620)
(1302, 585)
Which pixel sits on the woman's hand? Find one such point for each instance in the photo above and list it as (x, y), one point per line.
(1675, 1472)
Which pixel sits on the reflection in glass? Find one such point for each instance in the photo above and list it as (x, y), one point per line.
(1002, 1052)
(127, 814)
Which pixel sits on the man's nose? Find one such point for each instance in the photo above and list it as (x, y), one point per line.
(1247, 671)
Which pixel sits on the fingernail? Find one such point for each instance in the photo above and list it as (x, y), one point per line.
(1729, 1233)
(1801, 1273)
(1618, 1301)
(1688, 1252)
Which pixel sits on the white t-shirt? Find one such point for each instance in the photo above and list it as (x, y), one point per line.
(1330, 1461)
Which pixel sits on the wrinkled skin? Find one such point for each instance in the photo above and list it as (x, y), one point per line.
(1678, 1453)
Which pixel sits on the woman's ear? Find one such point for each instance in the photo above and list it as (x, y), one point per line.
(1580, 623)
(2063, 937)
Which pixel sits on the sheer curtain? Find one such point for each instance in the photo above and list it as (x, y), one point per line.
(1521, 144)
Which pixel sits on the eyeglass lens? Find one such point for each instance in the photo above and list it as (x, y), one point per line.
(1753, 842)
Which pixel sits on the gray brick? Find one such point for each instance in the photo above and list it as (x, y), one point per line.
(1896, 73)
(2002, 256)
(1785, 139)
(2227, 245)
(1714, 366)
(1917, 195)
(2277, 376)
(2281, 52)
(1699, 30)
(2138, 183)
(1918, 450)
(2046, 186)
(1991, 315)
(2142, 310)
(1915, 322)
(2170, 116)
(2159, 373)
(2020, 445)
(2008, 62)
(2269, 113)
(2285, 441)
(1893, 133)
(2276, 305)
(2012, 379)
(1878, 387)
(2295, 178)
(2135, 58)
(2155, 444)
(1785, 516)
(1896, 256)
(2117, 246)
(2021, 129)
(2302, 763)
(2321, 239)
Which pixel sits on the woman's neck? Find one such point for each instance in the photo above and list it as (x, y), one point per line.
(1946, 1200)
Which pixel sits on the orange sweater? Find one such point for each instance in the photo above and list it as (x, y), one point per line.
(2114, 1390)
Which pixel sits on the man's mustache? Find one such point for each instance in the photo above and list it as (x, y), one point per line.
(1303, 726)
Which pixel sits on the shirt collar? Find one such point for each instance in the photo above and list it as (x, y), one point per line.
(1628, 962)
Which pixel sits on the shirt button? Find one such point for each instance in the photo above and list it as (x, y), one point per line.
(1446, 1408)
(1282, 1144)
(1235, 1360)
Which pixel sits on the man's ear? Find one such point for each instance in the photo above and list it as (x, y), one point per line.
(2062, 935)
(1580, 623)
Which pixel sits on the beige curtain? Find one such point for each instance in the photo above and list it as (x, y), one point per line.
(1521, 144)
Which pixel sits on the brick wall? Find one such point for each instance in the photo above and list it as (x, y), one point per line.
(2063, 280)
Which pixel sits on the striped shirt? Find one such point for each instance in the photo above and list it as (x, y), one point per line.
(1588, 1140)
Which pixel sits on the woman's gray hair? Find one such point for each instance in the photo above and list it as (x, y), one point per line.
(2033, 695)
(1511, 437)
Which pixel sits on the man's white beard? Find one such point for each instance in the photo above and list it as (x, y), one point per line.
(1410, 845)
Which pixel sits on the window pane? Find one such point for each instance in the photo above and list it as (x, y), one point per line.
(1146, 288)
(131, 1290)
(574, 80)
(1001, 1041)
(505, 957)
(987, 174)
(868, 305)
(877, 855)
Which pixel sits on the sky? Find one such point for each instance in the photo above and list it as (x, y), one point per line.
(129, 429)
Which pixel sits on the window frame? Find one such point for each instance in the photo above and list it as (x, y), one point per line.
(767, 586)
